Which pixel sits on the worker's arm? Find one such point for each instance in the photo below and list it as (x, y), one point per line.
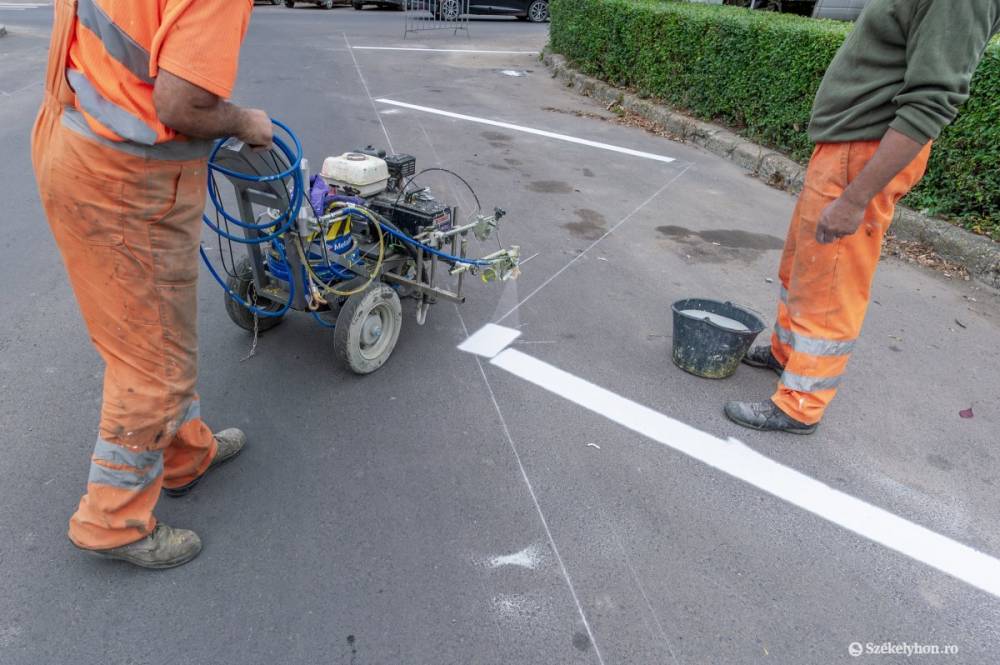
(193, 111)
(843, 217)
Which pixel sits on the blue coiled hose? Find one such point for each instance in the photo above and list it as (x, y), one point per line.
(284, 222)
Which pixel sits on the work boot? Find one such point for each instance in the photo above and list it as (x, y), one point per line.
(761, 356)
(165, 547)
(229, 444)
(765, 416)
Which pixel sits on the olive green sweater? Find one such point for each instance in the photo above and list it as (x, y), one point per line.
(906, 65)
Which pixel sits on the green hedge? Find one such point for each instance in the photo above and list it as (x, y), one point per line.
(758, 72)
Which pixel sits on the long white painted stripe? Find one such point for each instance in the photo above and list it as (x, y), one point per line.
(529, 130)
(440, 50)
(736, 459)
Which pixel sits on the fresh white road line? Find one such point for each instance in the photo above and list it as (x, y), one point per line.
(592, 245)
(439, 50)
(368, 92)
(489, 340)
(534, 498)
(739, 461)
(19, 7)
(528, 130)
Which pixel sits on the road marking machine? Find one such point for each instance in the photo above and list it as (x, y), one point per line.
(345, 245)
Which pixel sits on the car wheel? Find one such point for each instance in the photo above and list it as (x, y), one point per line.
(290, 4)
(448, 10)
(358, 5)
(275, 2)
(326, 4)
(538, 11)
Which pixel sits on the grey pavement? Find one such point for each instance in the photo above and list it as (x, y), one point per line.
(363, 522)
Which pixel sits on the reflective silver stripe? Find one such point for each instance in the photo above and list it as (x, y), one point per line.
(175, 151)
(117, 43)
(140, 459)
(193, 411)
(124, 478)
(784, 336)
(115, 118)
(808, 384)
(814, 346)
(146, 465)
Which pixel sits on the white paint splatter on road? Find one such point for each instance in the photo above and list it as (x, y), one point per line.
(530, 557)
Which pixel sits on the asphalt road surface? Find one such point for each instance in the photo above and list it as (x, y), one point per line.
(447, 510)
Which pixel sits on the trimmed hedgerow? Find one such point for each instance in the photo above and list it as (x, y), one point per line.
(758, 72)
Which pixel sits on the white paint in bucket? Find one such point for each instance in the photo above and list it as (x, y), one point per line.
(717, 319)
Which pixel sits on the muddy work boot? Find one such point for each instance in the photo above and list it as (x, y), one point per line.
(165, 547)
(765, 416)
(761, 356)
(229, 444)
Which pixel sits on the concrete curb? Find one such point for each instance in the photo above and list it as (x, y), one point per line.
(978, 254)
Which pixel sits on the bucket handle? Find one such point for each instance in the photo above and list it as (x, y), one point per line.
(747, 307)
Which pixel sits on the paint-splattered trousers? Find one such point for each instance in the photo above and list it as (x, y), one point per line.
(825, 288)
(127, 227)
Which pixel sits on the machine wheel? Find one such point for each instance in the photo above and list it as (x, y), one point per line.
(326, 4)
(368, 328)
(242, 285)
(290, 4)
(358, 5)
(538, 11)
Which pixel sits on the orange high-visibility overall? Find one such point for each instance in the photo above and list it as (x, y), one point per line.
(123, 195)
(825, 288)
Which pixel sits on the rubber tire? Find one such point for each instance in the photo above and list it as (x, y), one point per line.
(347, 334)
(290, 4)
(539, 2)
(242, 286)
(358, 5)
(441, 15)
(326, 4)
(276, 2)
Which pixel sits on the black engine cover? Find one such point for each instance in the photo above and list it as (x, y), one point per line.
(413, 216)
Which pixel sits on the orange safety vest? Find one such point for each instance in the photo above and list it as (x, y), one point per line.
(112, 65)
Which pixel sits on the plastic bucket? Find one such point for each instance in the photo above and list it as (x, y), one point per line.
(710, 349)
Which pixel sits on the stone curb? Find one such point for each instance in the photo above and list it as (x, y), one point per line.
(978, 254)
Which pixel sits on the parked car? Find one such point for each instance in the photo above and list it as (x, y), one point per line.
(382, 4)
(325, 4)
(536, 11)
(842, 10)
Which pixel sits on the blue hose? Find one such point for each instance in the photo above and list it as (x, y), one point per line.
(430, 250)
(294, 171)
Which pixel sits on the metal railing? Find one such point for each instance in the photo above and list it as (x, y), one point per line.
(423, 15)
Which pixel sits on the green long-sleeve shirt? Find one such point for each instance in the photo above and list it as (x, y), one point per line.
(906, 65)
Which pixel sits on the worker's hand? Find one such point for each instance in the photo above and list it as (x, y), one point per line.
(256, 129)
(839, 219)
